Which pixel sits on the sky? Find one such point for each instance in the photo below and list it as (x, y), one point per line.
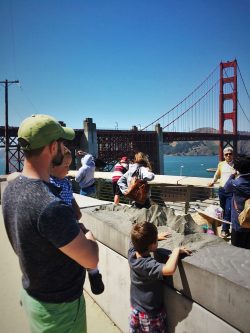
(121, 63)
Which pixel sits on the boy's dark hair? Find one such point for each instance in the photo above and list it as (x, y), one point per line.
(242, 164)
(143, 235)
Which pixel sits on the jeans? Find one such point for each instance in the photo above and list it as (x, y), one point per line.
(88, 191)
(225, 203)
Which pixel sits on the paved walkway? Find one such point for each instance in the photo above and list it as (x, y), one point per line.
(12, 317)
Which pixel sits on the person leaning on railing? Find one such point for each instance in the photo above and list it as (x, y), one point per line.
(119, 169)
(141, 163)
(223, 172)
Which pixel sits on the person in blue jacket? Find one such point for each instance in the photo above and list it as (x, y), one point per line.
(239, 184)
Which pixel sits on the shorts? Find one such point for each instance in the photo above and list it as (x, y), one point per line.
(116, 189)
(142, 322)
(45, 317)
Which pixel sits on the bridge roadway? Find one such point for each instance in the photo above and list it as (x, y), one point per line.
(196, 136)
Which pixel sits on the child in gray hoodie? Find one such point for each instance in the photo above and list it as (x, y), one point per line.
(85, 176)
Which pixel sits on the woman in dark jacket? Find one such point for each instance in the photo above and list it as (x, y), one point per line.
(239, 185)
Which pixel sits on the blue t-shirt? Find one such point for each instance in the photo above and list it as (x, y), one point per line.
(38, 223)
(146, 288)
(65, 186)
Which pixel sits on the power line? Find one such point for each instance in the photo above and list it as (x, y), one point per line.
(6, 85)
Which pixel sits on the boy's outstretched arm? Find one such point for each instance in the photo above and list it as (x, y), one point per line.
(170, 266)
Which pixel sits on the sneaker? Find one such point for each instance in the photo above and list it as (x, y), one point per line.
(96, 284)
(224, 233)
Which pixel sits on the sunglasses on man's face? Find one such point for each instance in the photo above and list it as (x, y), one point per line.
(228, 154)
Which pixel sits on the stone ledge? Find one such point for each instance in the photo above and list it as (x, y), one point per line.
(216, 276)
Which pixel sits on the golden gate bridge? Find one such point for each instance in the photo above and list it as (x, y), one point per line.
(212, 111)
(198, 115)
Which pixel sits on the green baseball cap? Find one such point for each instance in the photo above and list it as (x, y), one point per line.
(39, 130)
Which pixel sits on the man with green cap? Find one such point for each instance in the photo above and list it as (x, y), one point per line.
(53, 250)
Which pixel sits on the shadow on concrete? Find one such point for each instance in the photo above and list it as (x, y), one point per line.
(172, 297)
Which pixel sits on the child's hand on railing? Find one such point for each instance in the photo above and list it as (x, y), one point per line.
(164, 235)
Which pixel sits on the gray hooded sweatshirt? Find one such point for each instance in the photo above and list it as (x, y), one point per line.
(144, 174)
(85, 175)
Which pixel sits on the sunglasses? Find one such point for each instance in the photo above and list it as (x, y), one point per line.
(228, 154)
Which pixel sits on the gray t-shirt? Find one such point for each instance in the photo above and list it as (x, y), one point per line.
(146, 289)
(38, 222)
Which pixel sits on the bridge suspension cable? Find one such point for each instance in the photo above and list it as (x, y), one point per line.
(185, 99)
(246, 93)
(191, 106)
(243, 82)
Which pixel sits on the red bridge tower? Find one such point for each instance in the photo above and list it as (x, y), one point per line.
(228, 115)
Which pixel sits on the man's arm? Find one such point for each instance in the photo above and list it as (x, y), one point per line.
(76, 209)
(80, 175)
(217, 176)
(83, 249)
(123, 182)
(57, 224)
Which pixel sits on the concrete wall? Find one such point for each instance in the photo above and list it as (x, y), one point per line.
(115, 299)
(213, 282)
(183, 314)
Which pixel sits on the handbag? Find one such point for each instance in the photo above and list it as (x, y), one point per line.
(244, 215)
(138, 189)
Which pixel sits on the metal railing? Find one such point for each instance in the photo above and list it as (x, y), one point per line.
(182, 198)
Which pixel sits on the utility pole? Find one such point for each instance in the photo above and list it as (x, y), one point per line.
(6, 84)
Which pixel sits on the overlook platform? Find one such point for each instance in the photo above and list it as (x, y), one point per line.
(210, 287)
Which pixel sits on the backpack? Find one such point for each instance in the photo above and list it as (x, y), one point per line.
(138, 189)
(244, 215)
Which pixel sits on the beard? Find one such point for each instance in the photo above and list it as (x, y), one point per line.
(57, 160)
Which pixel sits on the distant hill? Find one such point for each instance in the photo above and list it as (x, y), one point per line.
(193, 148)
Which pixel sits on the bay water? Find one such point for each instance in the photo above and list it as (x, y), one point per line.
(192, 166)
